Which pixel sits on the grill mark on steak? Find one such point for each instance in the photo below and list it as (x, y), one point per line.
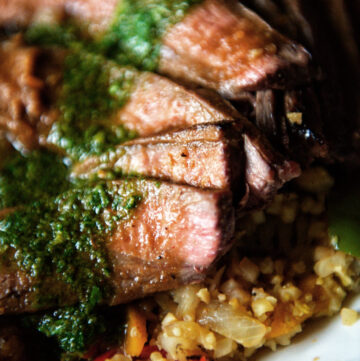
(187, 227)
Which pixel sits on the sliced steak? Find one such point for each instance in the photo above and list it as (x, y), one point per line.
(28, 110)
(266, 170)
(21, 13)
(12, 346)
(20, 100)
(220, 44)
(225, 46)
(172, 237)
(206, 156)
(157, 105)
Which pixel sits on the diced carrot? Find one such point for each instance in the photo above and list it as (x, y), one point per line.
(136, 334)
(202, 358)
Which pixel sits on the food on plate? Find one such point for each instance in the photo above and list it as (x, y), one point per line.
(348, 316)
(174, 178)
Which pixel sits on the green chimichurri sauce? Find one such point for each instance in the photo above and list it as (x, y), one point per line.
(24, 180)
(136, 34)
(92, 90)
(64, 237)
(74, 328)
(44, 34)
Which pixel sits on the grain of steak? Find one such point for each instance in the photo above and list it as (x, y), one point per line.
(159, 105)
(225, 155)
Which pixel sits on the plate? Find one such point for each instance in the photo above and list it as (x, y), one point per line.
(322, 340)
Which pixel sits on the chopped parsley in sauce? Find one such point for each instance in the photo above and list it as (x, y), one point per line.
(65, 235)
(57, 234)
(93, 87)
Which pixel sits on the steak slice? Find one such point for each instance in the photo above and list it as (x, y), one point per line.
(334, 92)
(206, 156)
(157, 104)
(172, 237)
(266, 170)
(20, 104)
(223, 45)
(230, 155)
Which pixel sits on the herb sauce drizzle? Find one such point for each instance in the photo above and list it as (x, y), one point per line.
(93, 89)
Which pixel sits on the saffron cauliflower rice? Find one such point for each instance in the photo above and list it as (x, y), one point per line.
(161, 197)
